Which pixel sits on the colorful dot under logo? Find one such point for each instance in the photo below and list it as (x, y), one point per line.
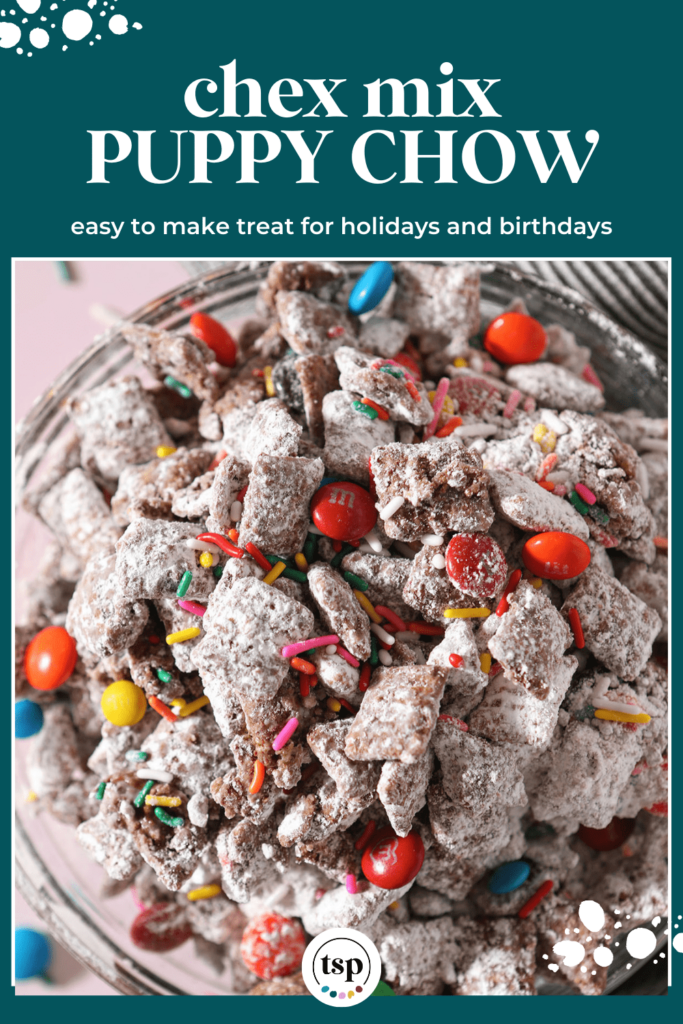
(341, 995)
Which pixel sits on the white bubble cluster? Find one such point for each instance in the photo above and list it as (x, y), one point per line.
(641, 942)
(573, 952)
(10, 34)
(603, 956)
(76, 25)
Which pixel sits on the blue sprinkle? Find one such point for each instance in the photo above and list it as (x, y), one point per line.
(509, 877)
(371, 288)
(32, 953)
(28, 719)
(329, 480)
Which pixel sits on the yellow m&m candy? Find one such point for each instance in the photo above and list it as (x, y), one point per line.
(123, 703)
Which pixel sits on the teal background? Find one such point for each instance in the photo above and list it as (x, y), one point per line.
(589, 65)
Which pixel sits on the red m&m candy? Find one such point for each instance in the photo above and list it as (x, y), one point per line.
(515, 338)
(476, 564)
(160, 928)
(273, 946)
(214, 334)
(610, 837)
(50, 658)
(343, 511)
(390, 861)
(556, 555)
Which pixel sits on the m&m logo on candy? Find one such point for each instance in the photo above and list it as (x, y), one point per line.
(343, 510)
(390, 861)
(556, 555)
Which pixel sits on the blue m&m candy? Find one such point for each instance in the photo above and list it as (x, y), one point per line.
(32, 953)
(28, 719)
(371, 288)
(509, 877)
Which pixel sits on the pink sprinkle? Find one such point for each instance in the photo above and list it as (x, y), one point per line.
(307, 645)
(487, 366)
(463, 726)
(351, 884)
(392, 362)
(347, 657)
(547, 466)
(285, 734)
(136, 899)
(512, 403)
(529, 404)
(377, 363)
(606, 539)
(589, 375)
(560, 490)
(192, 607)
(584, 493)
(437, 406)
(335, 332)
(495, 669)
(319, 893)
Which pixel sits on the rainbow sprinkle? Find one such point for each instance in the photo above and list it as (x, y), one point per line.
(285, 734)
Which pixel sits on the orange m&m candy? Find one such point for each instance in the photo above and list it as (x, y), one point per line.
(214, 334)
(50, 658)
(515, 338)
(556, 555)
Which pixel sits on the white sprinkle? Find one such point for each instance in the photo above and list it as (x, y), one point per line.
(559, 476)
(202, 545)
(382, 634)
(474, 430)
(214, 559)
(431, 540)
(367, 550)
(331, 649)
(405, 636)
(643, 479)
(478, 445)
(391, 507)
(438, 561)
(405, 549)
(652, 444)
(385, 658)
(613, 705)
(236, 511)
(429, 385)
(554, 422)
(374, 541)
(314, 529)
(156, 774)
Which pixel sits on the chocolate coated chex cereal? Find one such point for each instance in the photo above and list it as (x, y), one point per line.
(276, 507)
(339, 609)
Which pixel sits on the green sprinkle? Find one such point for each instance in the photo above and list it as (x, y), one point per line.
(100, 790)
(579, 504)
(168, 819)
(538, 830)
(295, 574)
(374, 655)
(356, 581)
(365, 409)
(392, 370)
(218, 571)
(346, 550)
(586, 712)
(136, 755)
(597, 513)
(163, 676)
(175, 385)
(184, 584)
(274, 559)
(311, 548)
(140, 798)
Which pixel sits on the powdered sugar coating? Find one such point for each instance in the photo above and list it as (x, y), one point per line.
(276, 507)
(526, 505)
(339, 609)
(556, 387)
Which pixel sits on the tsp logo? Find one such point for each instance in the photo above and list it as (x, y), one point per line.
(341, 967)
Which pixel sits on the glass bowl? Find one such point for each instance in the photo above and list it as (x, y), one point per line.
(55, 876)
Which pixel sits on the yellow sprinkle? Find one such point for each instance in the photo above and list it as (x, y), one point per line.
(536, 583)
(31, 796)
(183, 634)
(179, 702)
(278, 568)
(300, 560)
(540, 430)
(460, 361)
(189, 709)
(485, 662)
(163, 801)
(621, 716)
(547, 439)
(268, 381)
(163, 450)
(466, 613)
(395, 905)
(206, 559)
(367, 606)
(204, 892)
(333, 704)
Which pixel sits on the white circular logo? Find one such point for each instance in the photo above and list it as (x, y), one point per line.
(341, 967)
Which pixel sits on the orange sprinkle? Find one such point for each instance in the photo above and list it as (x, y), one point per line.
(307, 667)
(364, 680)
(349, 707)
(313, 681)
(412, 390)
(380, 410)
(546, 485)
(258, 557)
(662, 543)
(162, 709)
(233, 535)
(425, 628)
(577, 629)
(304, 684)
(257, 778)
(217, 460)
(454, 421)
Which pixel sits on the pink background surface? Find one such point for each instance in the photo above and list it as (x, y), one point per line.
(52, 319)
(53, 325)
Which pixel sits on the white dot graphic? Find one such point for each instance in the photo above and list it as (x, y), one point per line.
(10, 34)
(76, 25)
(30, 6)
(446, 68)
(678, 942)
(603, 956)
(641, 942)
(118, 25)
(39, 38)
(592, 915)
(573, 952)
